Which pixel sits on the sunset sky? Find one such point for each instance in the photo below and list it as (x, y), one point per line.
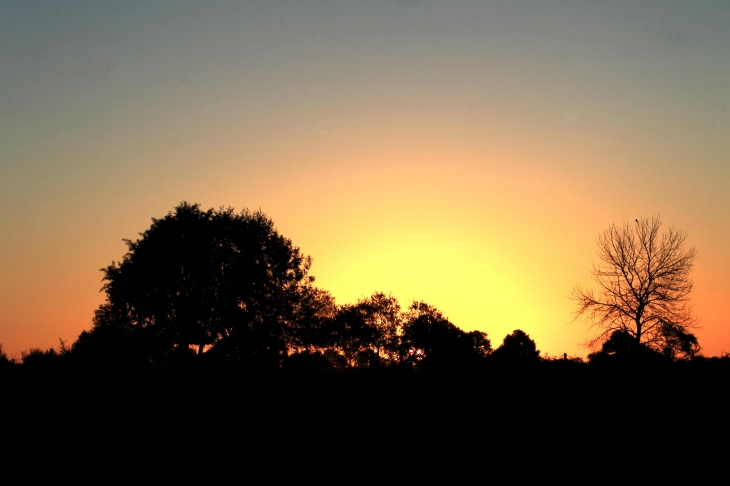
(466, 154)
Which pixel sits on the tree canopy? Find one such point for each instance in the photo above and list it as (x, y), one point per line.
(212, 281)
(431, 340)
(517, 347)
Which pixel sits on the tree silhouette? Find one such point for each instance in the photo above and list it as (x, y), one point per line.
(311, 329)
(431, 341)
(5, 362)
(367, 332)
(351, 335)
(644, 287)
(677, 342)
(383, 319)
(622, 348)
(215, 282)
(517, 347)
(481, 345)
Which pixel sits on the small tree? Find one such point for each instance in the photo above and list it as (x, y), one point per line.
(517, 347)
(430, 340)
(367, 332)
(311, 328)
(383, 317)
(644, 287)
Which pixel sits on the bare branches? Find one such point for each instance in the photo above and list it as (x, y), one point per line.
(644, 283)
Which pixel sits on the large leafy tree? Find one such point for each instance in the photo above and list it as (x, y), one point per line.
(217, 282)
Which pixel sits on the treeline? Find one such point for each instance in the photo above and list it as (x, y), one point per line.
(426, 342)
(218, 288)
(373, 333)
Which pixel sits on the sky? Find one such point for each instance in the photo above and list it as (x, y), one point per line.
(463, 153)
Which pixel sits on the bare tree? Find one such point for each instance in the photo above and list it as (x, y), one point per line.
(644, 287)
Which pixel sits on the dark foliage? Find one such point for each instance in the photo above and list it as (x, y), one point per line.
(367, 333)
(677, 343)
(431, 341)
(308, 361)
(623, 349)
(218, 283)
(517, 348)
(5, 362)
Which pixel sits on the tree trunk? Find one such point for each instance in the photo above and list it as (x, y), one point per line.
(638, 330)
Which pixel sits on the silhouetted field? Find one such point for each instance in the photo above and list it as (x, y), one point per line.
(367, 420)
(554, 387)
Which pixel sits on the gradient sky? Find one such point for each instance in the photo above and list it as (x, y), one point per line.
(463, 153)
